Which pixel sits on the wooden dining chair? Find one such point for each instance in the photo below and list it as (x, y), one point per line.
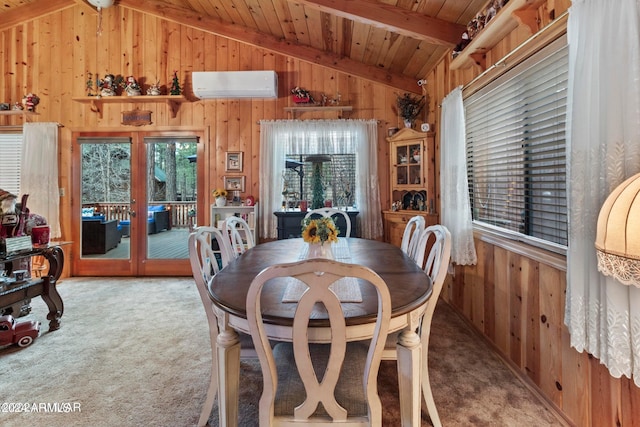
(239, 235)
(209, 252)
(347, 389)
(330, 213)
(411, 234)
(436, 264)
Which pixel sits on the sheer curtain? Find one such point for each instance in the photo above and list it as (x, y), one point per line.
(454, 187)
(603, 139)
(39, 172)
(281, 137)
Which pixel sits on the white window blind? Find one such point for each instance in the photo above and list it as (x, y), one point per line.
(516, 148)
(10, 160)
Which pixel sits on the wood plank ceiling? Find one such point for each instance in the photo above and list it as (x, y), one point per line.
(395, 42)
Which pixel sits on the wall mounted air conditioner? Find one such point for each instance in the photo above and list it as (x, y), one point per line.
(235, 84)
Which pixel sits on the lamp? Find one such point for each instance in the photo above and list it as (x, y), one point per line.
(100, 4)
(618, 235)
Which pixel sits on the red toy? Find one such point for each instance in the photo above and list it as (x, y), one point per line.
(12, 332)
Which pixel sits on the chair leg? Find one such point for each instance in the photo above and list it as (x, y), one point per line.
(426, 384)
(213, 382)
(409, 363)
(211, 394)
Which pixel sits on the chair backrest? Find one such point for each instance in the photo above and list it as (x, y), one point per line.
(318, 275)
(240, 235)
(208, 253)
(411, 234)
(330, 213)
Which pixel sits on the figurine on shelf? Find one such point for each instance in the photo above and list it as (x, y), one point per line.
(89, 84)
(17, 106)
(30, 101)
(132, 87)
(107, 85)
(154, 89)
(175, 85)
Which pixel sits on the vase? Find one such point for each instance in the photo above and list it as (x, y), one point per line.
(221, 201)
(320, 250)
(408, 123)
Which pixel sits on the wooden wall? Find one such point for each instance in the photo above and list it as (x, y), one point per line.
(513, 296)
(52, 56)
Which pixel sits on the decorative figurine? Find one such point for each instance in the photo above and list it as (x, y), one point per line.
(30, 101)
(175, 85)
(107, 85)
(154, 89)
(132, 87)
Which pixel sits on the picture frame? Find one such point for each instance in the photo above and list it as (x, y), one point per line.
(234, 183)
(233, 162)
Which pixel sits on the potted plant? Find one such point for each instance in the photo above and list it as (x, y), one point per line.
(409, 107)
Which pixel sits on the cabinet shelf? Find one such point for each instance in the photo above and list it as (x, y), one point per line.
(173, 101)
(514, 13)
(27, 115)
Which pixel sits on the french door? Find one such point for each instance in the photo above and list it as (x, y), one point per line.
(135, 202)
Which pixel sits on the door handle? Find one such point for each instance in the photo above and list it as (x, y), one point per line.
(132, 213)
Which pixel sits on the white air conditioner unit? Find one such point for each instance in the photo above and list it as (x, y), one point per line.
(235, 84)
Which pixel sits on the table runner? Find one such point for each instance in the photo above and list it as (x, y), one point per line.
(347, 289)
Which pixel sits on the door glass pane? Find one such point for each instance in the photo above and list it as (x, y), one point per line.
(105, 193)
(171, 196)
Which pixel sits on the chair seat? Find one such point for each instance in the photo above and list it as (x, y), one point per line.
(291, 391)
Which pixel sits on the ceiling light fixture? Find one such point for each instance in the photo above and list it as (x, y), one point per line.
(100, 4)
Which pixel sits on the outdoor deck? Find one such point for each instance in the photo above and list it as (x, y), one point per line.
(171, 244)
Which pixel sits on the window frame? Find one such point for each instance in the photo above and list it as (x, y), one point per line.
(479, 85)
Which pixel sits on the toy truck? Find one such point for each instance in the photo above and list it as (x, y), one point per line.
(20, 333)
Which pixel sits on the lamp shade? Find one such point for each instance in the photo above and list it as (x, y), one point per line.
(618, 235)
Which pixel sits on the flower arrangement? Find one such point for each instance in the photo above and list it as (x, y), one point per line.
(219, 192)
(410, 106)
(319, 230)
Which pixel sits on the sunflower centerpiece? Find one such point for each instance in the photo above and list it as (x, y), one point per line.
(317, 232)
(220, 196)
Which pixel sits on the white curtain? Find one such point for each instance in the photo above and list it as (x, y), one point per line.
(39, 172)
(603, 137)
(454, 187)
(282, 137)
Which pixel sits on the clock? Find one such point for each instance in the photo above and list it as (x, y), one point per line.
(425, 127)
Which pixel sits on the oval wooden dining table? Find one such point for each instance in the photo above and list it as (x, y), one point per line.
(409, 286)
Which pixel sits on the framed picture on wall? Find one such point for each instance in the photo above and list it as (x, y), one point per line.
(234, 183)
(234, 161)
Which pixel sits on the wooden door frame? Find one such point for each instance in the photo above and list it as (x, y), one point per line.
(137, 264)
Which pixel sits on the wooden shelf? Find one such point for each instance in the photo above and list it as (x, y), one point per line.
(313, 107)
(173, 101)
(514, 13)
(25, 114)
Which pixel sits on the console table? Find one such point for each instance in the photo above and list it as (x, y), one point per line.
(290, 223)
(45, 287)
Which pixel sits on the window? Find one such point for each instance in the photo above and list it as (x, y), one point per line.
(10, 160)
(339, 178)
(516, 149)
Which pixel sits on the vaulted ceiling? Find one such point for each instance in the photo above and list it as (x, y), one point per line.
(396, 42)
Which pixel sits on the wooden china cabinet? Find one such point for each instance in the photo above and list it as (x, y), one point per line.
(412, 173)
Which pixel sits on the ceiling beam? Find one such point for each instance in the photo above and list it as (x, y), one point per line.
(392, 18)
(31, 11)
(268, 42)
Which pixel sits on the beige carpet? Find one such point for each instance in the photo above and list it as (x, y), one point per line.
(135, 352)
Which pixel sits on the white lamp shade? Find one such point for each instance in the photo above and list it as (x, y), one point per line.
(618, 233)
(103, 4)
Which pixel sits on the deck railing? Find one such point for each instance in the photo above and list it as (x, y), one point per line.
(181, 213)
